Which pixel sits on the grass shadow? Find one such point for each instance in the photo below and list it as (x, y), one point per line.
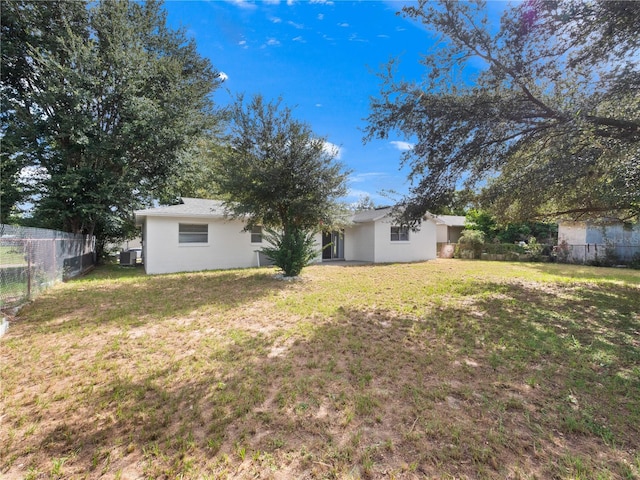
(132, 300)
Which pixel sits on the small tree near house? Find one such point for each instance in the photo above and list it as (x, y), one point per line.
(278, 174)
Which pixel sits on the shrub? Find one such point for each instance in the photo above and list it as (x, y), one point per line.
(470, 244)
(534, 248)
(562, 252)
(291, 250)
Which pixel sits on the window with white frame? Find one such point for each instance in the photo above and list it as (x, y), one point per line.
(399, 234)
(193, 233)
(256, 234)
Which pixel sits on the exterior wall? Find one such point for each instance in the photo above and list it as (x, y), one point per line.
(442, 233)
(359, 243)
(228, 246)
(447, 234)
(590, 242)
(421, 244)
(318, 240)
(574, 233)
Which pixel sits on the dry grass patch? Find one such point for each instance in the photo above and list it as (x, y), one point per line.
(441, 369)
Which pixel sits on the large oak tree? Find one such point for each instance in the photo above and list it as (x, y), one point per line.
(101, 99)
(549, 127)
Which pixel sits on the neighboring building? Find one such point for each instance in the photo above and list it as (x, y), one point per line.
(196, 235)
(448, 231)
(590, 241)
(449, 227)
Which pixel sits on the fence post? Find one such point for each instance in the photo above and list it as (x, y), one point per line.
(28, 244)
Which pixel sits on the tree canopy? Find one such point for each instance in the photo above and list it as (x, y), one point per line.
(101, 99)
(549, 127)
(279, 174)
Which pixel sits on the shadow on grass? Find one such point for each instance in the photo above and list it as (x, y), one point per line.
(513, 378)
(132, 299)
(374, 391)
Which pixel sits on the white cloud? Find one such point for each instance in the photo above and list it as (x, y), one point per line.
(299, 26)
(275, 19)
(365, 177)
(272, 2)
(402, 146)
(383, 36)
(354, 38)
(321, 16)
(332, 148)
(299, 39)
(318, 104)
(243, 44)
(325, 2)
(344, 25)
(243, 4)
(273, 42)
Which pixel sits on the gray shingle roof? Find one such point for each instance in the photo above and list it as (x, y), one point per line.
(450, 220)
(190, 207)
(370, 215)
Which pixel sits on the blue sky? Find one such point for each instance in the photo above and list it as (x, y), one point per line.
(321, 57)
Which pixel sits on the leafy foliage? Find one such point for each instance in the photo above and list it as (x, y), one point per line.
(291, 250)
(511, 232)
(102, 98)
(470, 241)
(279, 174)
(552, 121)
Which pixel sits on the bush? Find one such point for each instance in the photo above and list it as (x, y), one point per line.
(470, 244)
(502, 248)
(534, 248)
(291, 250)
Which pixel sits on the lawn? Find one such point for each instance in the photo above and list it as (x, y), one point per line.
(443, 369)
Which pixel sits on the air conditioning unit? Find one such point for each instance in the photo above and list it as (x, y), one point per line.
(128, 258)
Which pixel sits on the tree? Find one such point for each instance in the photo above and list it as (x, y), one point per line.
(278, 174)
(549, 127)
(103, 99)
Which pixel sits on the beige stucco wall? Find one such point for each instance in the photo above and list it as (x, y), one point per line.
(447, 234)
(228, 246)
(359, 243)
(421, 244)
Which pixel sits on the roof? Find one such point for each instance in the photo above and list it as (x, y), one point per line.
(450, 220)
(370, 215)
(190, 207)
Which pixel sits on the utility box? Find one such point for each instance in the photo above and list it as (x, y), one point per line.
(128, 258)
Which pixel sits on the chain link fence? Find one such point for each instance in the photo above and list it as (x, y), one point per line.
(34, 259)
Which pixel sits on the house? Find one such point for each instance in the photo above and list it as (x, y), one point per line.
(373, 236)
(449, 227)
(197, 235)
(448, 231)
(593, 241)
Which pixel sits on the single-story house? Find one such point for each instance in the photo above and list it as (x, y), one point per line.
(197, 235)
(589, 241)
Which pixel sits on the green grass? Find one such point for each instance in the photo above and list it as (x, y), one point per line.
(444, 369)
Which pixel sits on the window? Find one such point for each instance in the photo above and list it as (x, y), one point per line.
(399, 234)
(193, 233)
(256, 234)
